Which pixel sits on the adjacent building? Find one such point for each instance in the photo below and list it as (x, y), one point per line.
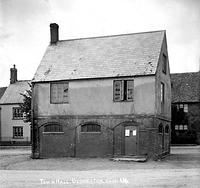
(103, 96)
(13, 129)
(2, 90)
(186, 108)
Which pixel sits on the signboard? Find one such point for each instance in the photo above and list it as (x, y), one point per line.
(134, 132)
(127, 132)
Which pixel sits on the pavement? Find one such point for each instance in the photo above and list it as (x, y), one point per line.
(180, 169)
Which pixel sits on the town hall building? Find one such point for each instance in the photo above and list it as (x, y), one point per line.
(102, 97)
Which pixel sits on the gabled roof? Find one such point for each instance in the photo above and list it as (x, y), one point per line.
(2, 90)
(100, 57)
(185, 87)
(12, 93)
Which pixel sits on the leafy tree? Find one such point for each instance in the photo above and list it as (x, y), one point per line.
(26, 105)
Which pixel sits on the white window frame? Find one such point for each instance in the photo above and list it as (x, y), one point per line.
(18, 134)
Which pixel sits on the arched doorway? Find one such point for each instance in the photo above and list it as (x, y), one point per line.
(126, 135)
(93, 140)
(130, 143)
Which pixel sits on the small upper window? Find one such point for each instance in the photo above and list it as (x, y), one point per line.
(123, 90)
(53, 128)
(185, 108)
(17, 113)
(162, 97)
(164, 63)
(90, 128)
(185, 127)
(182, 107)
(59, 92)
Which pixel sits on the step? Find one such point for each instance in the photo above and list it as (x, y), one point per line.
(130, 158)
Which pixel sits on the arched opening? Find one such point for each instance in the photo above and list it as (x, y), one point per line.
(167, 129)
(93, 140)
(53, 140)
(160, 128)
(90, 127)
(161, 136)
(126, 138)
(53, 127)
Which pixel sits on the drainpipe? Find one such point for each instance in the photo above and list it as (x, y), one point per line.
(33, 133)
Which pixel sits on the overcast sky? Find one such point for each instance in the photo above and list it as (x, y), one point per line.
(24, 28)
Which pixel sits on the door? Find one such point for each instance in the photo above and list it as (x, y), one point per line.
(131, 140)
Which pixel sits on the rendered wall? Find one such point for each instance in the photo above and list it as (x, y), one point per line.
(164, 78)
(7, 124)
(165, 115)
(95, 97)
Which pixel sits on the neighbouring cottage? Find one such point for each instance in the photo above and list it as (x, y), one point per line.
(185, 108)
(12, 127)
(103, 96)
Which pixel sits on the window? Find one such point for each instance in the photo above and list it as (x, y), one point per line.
(181, 127)
(160, 128)
(59, 92)
(123, 90)
(17, 132)
(162, 96)
(53, 128)
(167, 129)
(17, 113)
(90, 128)
(176, 127)
(185, 108)
(162, 93)
(164, 63)
(182, 107)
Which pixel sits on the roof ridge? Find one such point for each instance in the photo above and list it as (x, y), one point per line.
(185, 72)
(106, 36)
(23, 80)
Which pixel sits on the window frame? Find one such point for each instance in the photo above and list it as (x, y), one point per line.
(184, 127)
(13, 113)
(50, 125)
(51, 94)
(93, 124)
(124, 90)
(162, 96)
(182, 106)
(164, 63)
(18, 136)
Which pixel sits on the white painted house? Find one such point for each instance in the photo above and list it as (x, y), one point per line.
(13, 128)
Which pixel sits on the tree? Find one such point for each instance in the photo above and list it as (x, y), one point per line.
(26, 105)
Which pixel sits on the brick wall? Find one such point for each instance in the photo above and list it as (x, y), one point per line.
(110, 141)
(194, 119)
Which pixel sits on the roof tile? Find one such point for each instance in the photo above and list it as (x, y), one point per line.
(12, 93)
(185, 87)
(98, 57)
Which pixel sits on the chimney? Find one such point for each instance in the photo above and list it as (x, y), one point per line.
(13, 75)
(54, 33)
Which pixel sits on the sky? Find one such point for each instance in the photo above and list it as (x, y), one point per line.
(25, 33)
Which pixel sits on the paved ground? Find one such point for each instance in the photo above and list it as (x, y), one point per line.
(180, 169)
